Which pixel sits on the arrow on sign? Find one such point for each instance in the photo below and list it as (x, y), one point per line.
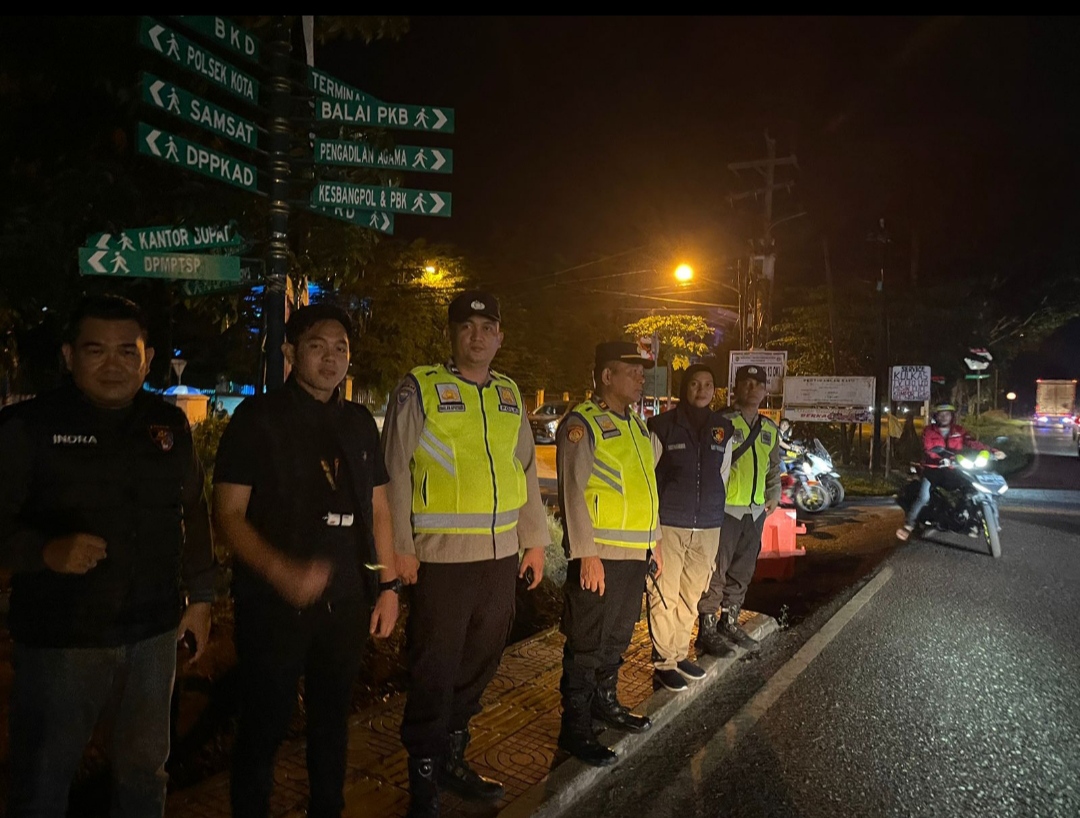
(439, 203)
(154, 33)
(95, 261)
(103, 242)
(155, 87)
(440, 119)
(440, 160)
(151, 141)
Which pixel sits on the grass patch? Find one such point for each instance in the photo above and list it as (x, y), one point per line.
(1011, 436)
(860, 483)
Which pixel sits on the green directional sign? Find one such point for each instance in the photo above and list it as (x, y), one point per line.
(372, 219)
(373, 197)
(196, 59)
(372, 114)
(172, 99)
(327, 85)
(976, 377)
(193, 156)
(402, 157)
(194, 289)
(225, 33)
(135, 264)
(168, 239)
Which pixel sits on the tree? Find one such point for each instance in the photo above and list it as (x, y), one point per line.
(681, 337)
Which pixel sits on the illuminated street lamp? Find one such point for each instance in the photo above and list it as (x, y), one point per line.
(684, 273)
(1010, 397)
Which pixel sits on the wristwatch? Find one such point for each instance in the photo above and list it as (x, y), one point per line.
(394, 585)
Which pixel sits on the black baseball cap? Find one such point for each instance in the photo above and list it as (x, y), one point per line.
(751, 372)
(473, 302)
(621, 351)
(306, 317)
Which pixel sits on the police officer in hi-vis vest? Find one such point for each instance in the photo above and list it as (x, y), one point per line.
(607, 492)
(464, 499)
(753, 493)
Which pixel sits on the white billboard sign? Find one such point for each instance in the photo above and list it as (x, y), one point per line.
(774, 362)
(910, 384)
(829, 391)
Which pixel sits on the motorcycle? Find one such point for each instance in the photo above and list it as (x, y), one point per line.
(821, 467)
(963, 496)
(800, 488)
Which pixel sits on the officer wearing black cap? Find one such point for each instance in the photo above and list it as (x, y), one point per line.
(753, 492)
(465, 499)
(607, 491)
(300, 498)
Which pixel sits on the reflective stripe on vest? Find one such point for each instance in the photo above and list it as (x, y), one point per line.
(465, 473)
(746, 483)
(621, 492)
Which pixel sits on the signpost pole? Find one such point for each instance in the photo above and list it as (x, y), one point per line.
(277, 87)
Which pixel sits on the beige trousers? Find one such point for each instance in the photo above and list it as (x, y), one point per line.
(689, 560)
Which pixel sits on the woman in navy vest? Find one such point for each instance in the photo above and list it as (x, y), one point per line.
(692, 447)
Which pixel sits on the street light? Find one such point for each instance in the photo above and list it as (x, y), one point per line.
(1010, 397)
(684, 273)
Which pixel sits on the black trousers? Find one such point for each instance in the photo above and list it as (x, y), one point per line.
(460, 615)
(275, 646)
(736, 559)
(598, 629)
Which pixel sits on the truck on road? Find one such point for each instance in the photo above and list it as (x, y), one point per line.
(1055, 402)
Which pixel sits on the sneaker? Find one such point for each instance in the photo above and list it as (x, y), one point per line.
(904, 532)
(671, 679)
(690, 671)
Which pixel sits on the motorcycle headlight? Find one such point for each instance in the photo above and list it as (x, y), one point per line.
(981, 461)
(964, 462)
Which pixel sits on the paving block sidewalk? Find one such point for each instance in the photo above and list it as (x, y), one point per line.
(513, 740)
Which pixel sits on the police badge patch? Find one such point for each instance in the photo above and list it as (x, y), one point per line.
(575, 433)
(449, 397)
(162, 437)
(607, 426)
(766, 438)
(507, 400)
(718, 434)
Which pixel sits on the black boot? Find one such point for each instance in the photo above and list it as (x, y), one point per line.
(730, 630)
(423, 788)
(708, 638)
(577, 736)
(456, 774)
(606, 708)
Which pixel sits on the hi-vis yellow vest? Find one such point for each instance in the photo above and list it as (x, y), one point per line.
(621, 492)
(465, 473)
(746, 483)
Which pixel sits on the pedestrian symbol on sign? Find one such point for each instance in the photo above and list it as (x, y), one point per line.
(174, 48)
(420, 160)
(119, 264)
(170, 150)
(421, 119)
(126, 243)
(174, 101)
(418, 203)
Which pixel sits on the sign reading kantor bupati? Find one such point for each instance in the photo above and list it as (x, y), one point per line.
(168, 239)
(910, 384)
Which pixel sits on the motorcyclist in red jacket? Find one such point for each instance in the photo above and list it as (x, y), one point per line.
(943, 434)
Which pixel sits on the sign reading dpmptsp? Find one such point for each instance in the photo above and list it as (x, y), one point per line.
(172, 99)
(364, 155)
(192, 156)
(373, 197)
(134, 264)
(168, 238)
(182, 51)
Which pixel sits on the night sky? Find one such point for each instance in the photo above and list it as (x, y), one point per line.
(579, 138)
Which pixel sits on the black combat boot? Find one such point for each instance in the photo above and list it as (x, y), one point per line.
(730, 630)
(577, 736)
(708, 638)
(456, 774)
(423, 788)
(606, 708)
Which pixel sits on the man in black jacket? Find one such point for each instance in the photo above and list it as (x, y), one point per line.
(101, 511)
(300, 499)
(692, 446)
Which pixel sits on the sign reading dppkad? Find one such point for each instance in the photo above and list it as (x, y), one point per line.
(170, 239)
(910, 384)
(225, 33)
(403, 157)
(182, 51)
(372, 197)
(829, 391)
(192, 156)
(176, 101)
(774, 362)
(158, 265)
(373, 219)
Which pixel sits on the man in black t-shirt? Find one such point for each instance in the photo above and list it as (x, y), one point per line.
(300, 498)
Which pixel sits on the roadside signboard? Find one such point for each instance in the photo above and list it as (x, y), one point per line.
(373, 219)
(174, 100)
(193, 156)
(910, 384)
(373, 114)
(774, 362)
(168, 239)
(364, 155)
(828, 414)
(373, 197)
(196, 59)
(829, 391)
(135, 264)
(225, 33)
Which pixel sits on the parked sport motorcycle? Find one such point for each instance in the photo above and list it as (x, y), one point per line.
(963, 496)
(800, 488)
(821, 467)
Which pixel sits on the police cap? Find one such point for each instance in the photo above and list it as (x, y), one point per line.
(627, 351)
(751, 372)
(473, 302)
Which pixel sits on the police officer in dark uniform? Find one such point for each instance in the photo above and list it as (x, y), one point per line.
(101, 513)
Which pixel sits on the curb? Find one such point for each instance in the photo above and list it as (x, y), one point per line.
(570, 780)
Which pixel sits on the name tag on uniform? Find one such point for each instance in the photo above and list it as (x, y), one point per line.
(508, 400)
(607, 426)
(766, 437)
(342, 520)
(674, 447)
(716, 448)
(449, 397)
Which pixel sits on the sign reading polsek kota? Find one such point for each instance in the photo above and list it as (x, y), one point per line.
(197, 60)
(192, 156)
(372, 197)
(172, 99)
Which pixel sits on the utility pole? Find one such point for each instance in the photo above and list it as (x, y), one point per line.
(881, 238)
(760, 284)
